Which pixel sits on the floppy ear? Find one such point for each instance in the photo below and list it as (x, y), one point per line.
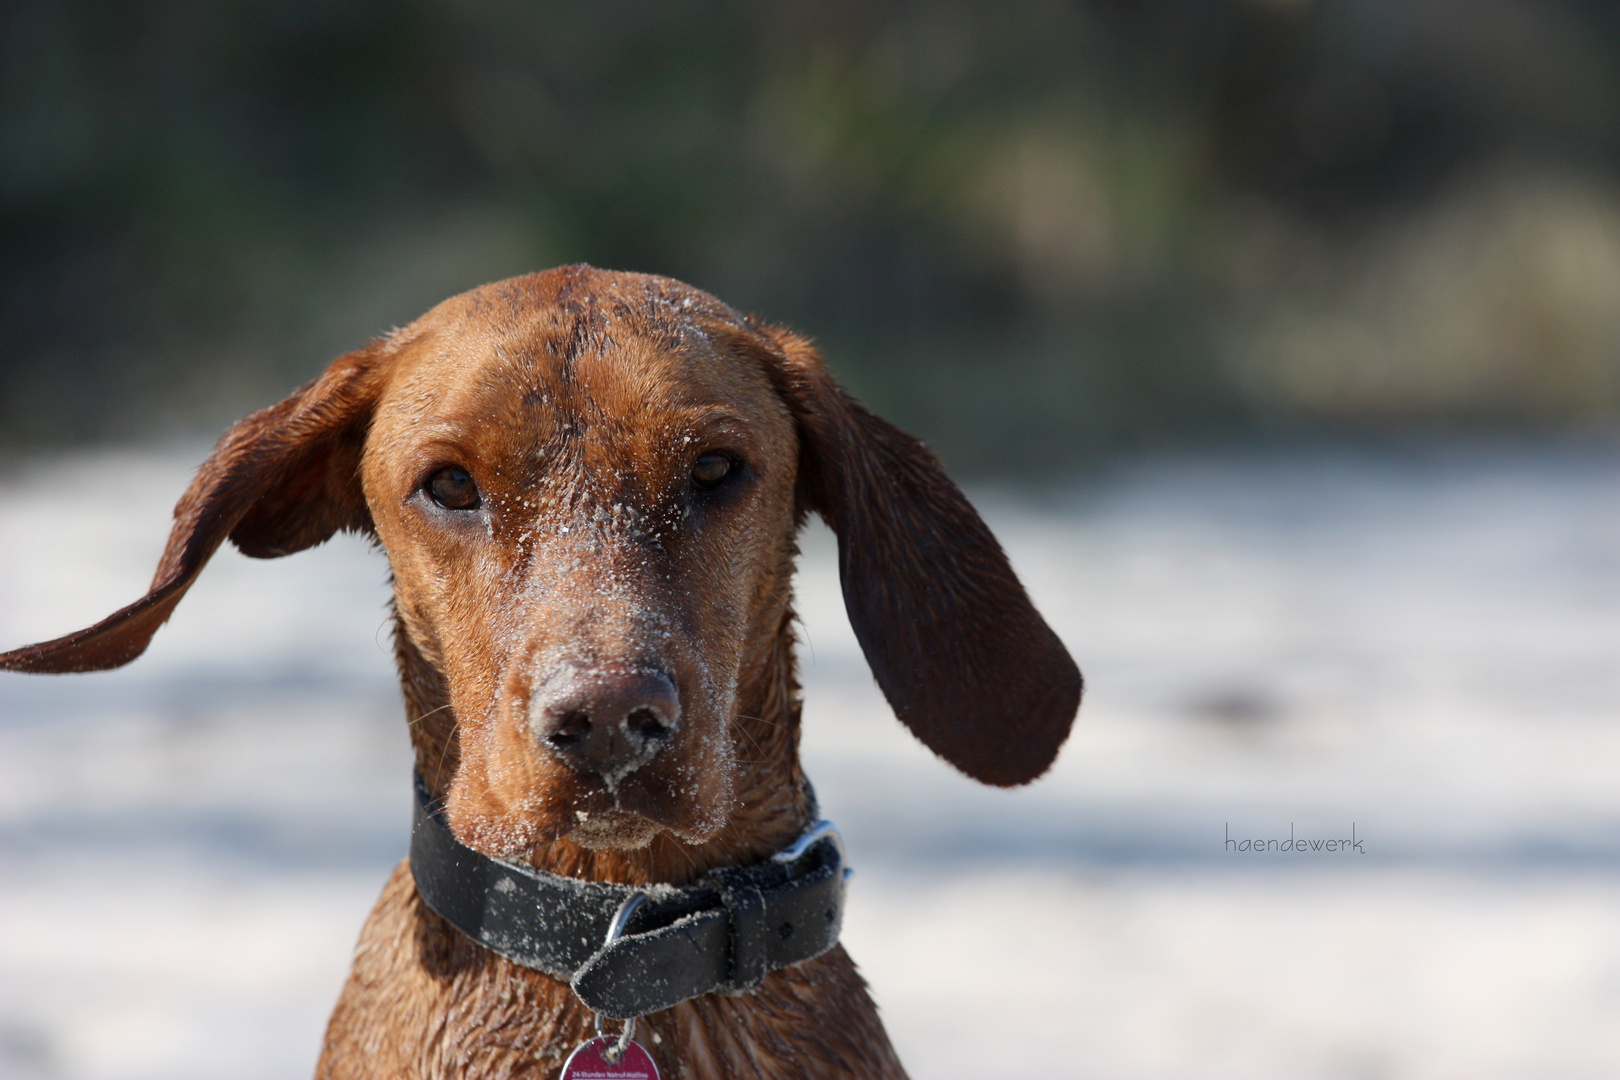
(283, 479)
(962, 655)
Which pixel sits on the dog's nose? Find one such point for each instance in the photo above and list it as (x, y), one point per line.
(606, 722)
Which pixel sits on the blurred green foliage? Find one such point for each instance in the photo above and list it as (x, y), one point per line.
(1027, 229)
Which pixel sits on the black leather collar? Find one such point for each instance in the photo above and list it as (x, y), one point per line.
(630, 950)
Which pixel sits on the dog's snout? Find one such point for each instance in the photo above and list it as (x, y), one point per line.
(606, 722)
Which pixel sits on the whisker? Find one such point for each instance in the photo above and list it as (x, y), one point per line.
(444, 752)
(686, 853)
(760, 719)
(427, 714)
(750, 738)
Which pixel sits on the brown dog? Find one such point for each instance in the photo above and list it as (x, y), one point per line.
(588, 485)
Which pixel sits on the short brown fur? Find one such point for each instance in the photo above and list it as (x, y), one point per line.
(578, 400)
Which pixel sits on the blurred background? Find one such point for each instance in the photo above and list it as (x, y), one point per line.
(1279, 340)
(1032, 230)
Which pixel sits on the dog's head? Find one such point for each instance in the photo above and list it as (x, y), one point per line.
(588, 486)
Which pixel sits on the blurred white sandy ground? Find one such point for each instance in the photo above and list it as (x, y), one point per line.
(1423, 642)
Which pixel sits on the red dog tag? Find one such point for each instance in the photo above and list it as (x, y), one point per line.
(587, 1062)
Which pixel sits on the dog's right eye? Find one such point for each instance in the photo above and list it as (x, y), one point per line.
(711, 470)
(453, 489)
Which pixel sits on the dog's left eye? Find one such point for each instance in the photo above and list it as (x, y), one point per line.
(453, 489)
(710, 470)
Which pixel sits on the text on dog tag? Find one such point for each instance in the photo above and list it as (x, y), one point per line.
(588, 1062)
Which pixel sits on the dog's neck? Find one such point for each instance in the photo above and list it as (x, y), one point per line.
(772, 798)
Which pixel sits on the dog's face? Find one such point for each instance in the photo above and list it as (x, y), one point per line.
(590, 529)
(587, 485)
